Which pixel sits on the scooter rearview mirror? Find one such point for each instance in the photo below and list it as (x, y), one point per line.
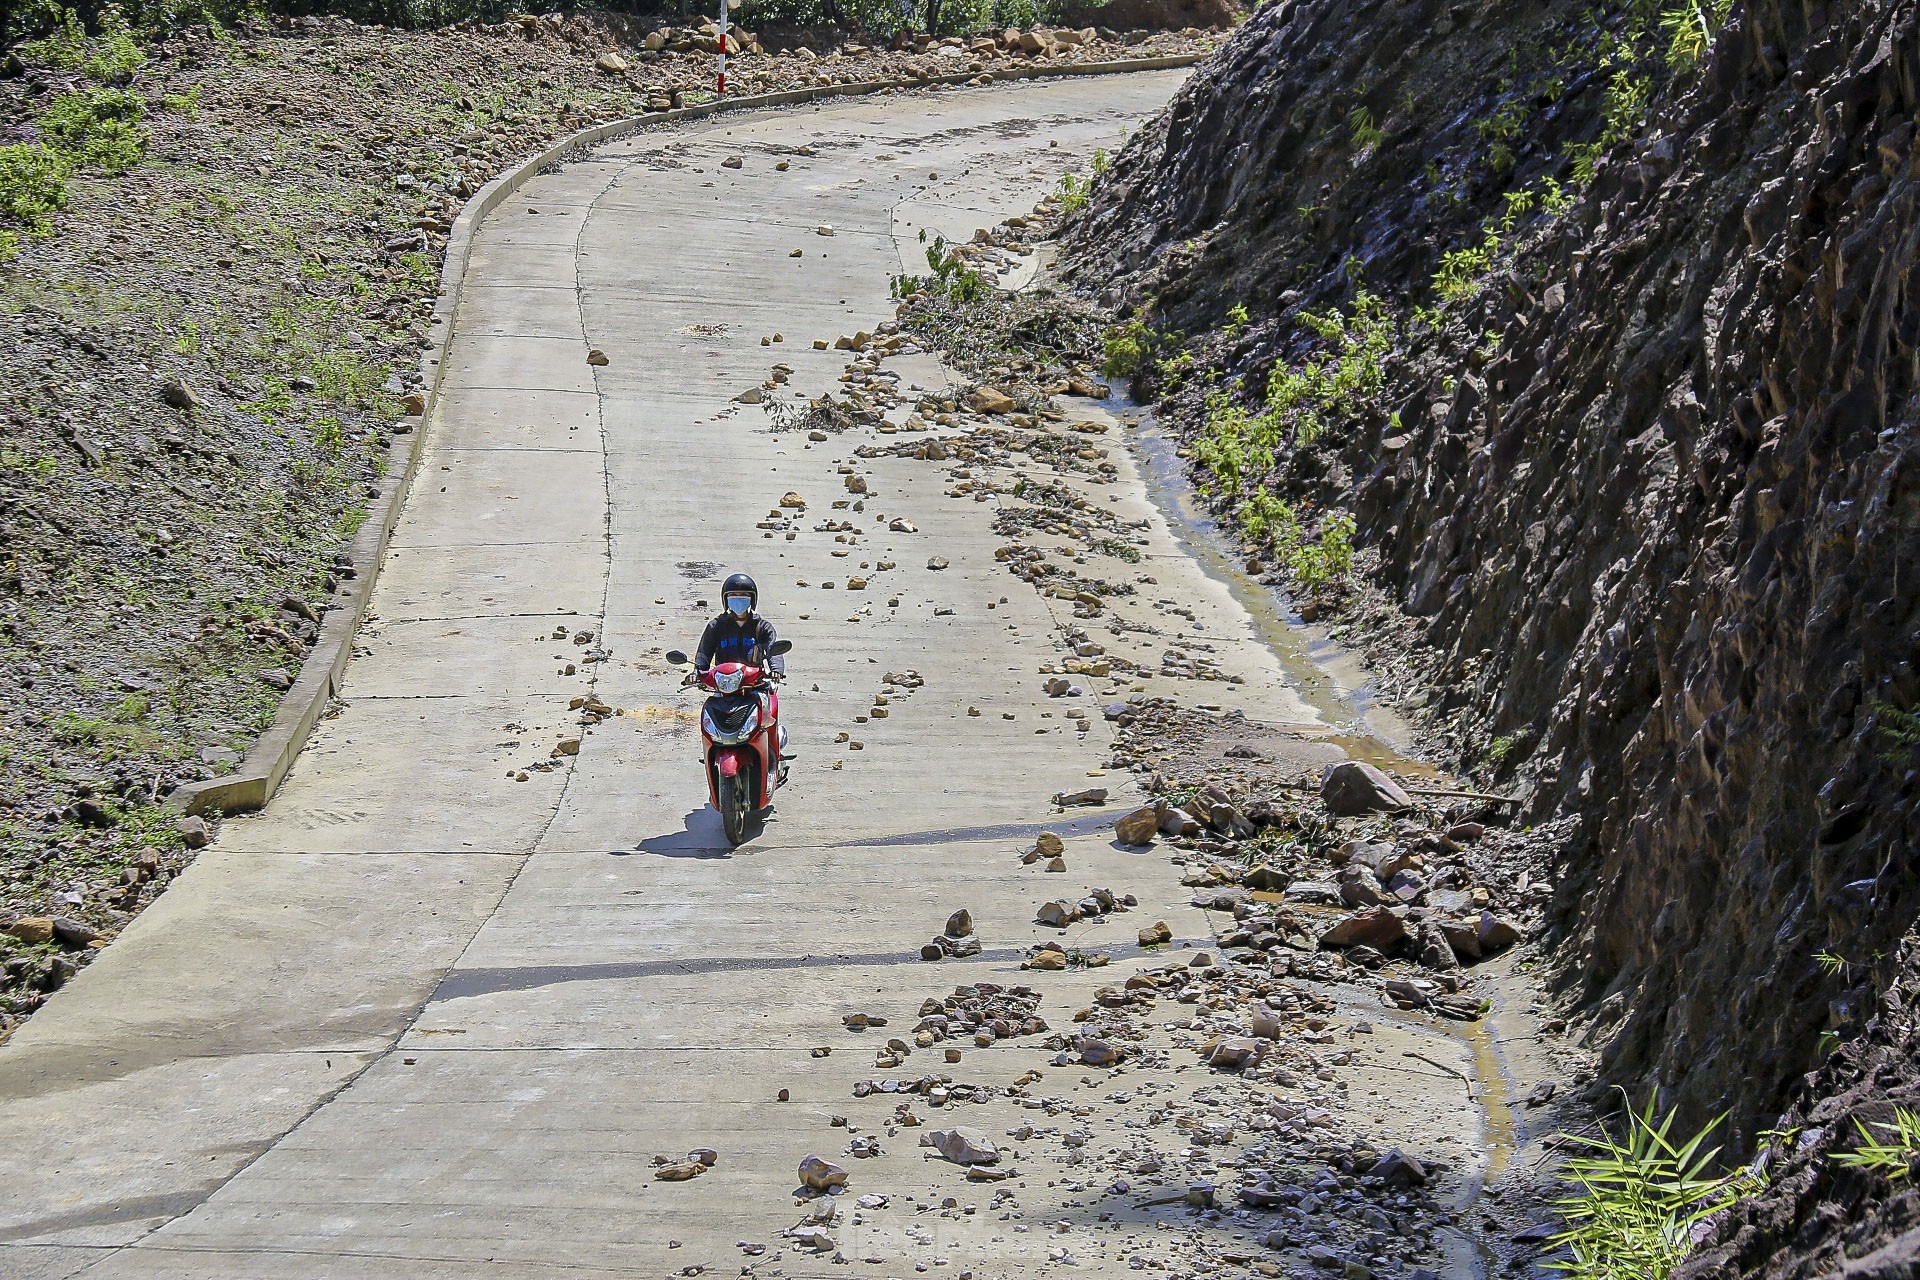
(779, 647)
(676, 657)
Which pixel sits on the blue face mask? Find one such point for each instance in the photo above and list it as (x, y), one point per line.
(740, 606)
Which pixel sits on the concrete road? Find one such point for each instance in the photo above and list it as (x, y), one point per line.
(422, 1018)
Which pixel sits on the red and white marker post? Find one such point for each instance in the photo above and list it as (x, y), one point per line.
(721, 87)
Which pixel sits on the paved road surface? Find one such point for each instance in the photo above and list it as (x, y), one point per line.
(420, 1019)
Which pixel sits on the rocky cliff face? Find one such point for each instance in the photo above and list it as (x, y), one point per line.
(1643, 463)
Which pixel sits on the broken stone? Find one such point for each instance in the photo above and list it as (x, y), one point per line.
(1234, 1053)
(1353, 787)
(1495, 934)
(991, 400)
(1178, 822)
(821, 1175)
(679, 1171)
(963, 1145)
(1399, 1170)
(1262, 878)
(32, 930)
(1156, 934)
(1376, 927)
(1462, 935)
(1138, 828)
(597, 357)
(193, 831)
(1359, 887)
(1432, 948)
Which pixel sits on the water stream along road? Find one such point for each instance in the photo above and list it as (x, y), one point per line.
(440, 1009)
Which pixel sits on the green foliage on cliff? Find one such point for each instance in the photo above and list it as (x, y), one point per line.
(1892, 1156)
(1304, 400)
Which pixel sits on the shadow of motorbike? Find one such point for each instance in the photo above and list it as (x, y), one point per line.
(704, 836)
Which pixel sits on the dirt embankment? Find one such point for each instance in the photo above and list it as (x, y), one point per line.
(1620, 394)
(207, 349)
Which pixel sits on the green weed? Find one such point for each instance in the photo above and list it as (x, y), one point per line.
(951, 277)
(1073, 193)
(1127, 347)
(1327, 562)
(1638, 1197)
(111, 56)
(1898, 728)
(1365, 132)
(1690, 26)
(1893, 1160)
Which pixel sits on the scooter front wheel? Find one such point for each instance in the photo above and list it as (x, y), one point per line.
(733, 809)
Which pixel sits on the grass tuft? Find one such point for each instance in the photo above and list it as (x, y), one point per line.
(1639, 1197)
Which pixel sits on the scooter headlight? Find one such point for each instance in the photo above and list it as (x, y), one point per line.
(743, 729)
(728, 681)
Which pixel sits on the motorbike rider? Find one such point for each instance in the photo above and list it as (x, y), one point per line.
(740, 634)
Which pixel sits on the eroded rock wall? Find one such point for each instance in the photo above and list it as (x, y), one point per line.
(1651, 489)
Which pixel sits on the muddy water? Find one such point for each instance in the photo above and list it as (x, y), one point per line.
(1327, 677)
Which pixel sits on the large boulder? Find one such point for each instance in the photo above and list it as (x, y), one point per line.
(1376, 927)
(1138, 828)
(1353, 787)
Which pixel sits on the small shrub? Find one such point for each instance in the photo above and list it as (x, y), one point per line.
(110, 57)
(98, 128)
(1073, 193)
(1125, 348)
(951, 277)
(33, 185)
(1268, 518)
(1318, 566)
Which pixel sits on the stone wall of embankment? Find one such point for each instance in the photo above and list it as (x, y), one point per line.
(1640, 478)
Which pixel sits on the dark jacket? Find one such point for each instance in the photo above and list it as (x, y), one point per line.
(730, 639)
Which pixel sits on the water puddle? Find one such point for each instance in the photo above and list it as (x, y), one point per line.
(1327, 677)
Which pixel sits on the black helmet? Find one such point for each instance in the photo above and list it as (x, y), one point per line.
(740, 584)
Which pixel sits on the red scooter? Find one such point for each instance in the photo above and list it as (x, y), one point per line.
(741, 737)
